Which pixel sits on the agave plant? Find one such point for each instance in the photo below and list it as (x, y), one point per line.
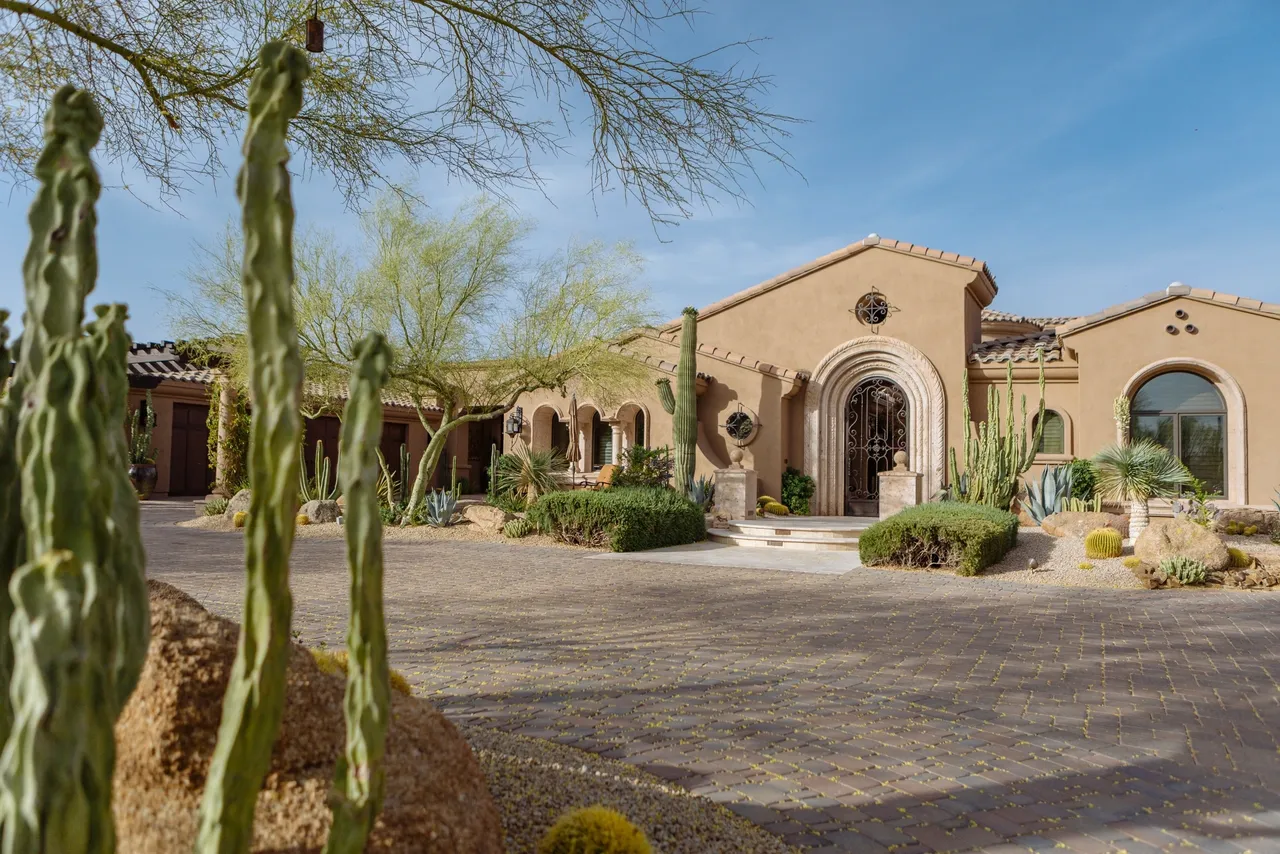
(1052, 494)
(1136, 473)
(439, 507)
(529, 473)
(703, 492)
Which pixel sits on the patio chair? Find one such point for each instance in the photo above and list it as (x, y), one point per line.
(604, 479)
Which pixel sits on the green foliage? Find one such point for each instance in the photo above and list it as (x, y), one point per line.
(594, 830)
(517, 528)
(322, 486)
(254, 700)
(336, 662)
(762, 500)
(233, 473)
(1184, 569)
(626, 519)
(528, 474)
(493, 471)
(1102, 543)
(1275, 536)
(1198, 508)
(969, 537)
(302, 519)
(1232, 528)
(703, 493)
(994, 460)
(215, 506)
(1051, 495)
(1250, 530)
(1239, 560)
(645, 467)
(682, 406)
(1079, 505)
(239, 519)
(1084, 565)
(797, 489)
(141, 430)
(1083, 477)
(1138, 471)
(390, 514)
(509, 502)
(359, 778)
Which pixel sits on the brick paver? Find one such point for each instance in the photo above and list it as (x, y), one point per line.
(874, 711)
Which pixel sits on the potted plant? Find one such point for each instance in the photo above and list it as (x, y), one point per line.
(142, 461)
(1135, 473)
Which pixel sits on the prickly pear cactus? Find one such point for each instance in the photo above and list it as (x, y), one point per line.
(359, 780)
(683, 405)
(254, 700)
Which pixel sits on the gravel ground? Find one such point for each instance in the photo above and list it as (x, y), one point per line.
(461, 532)
(534, 782)
(1059, 560)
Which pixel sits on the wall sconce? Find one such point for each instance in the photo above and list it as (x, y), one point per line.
(515, 422)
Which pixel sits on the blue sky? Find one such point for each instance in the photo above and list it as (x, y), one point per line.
(1090, 152)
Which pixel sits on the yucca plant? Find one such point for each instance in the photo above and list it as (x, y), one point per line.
(1136, 473)
(529, 474)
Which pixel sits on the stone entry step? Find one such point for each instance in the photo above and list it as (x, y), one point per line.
(831, 533)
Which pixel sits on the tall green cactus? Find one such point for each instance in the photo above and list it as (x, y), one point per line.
(994, 461)
(359, 780)
(254, 701)
(401, 493)
(322, 487)
(683, 405)
(11, 533)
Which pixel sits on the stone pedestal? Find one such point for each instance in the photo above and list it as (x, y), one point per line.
(736, 490)
(899, 488)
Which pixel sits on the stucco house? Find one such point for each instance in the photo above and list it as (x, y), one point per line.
(863, 352)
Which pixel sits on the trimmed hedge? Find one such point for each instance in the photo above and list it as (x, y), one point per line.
(968, 537)
(626, 519)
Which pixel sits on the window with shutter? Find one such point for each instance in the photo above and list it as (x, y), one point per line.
(1054, 439)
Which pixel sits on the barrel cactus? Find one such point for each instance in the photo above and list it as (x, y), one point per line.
(254, 701)
(1239, 559)
(682, 406)
(1103, 543)
(594, 830)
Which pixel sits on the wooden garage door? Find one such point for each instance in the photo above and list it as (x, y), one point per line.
(189, 471)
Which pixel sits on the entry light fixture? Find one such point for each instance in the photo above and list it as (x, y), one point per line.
(515, 422)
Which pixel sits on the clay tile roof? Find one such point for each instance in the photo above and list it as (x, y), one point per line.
(1018, 348)
(723, 355)
(994, 316)
(1175, 290)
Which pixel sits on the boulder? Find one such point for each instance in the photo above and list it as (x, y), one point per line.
(320, 511)
(486, 517)
(239, 503)
(1166, 538)
(436, 797)
(1265, 520)
(1068, 524)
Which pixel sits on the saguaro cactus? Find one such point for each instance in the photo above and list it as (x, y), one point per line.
(11, 533)
(683, 405)
(359, 780)
(254, 701)
(993, 461)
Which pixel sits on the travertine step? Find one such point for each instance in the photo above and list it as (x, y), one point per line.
(831, 533)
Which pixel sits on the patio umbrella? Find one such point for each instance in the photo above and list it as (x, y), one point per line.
(573, 453)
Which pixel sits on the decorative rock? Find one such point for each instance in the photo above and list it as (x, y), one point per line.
(1265, 521)
(239, 503)
(1032, 563)
(1069, 524)
(1166, 538)
(320, 511)
(486, 517)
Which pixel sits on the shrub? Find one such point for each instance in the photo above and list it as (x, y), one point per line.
(626, 519)
(390, 514)
(703, 493)
(517, 528)
(797, 489)
(1239, 559)
(335, 663)
(509, 502)
(594, 830)
(1103, 543)
(1186, 570)
(1132, 562)
(968, 537)
(645, 467)
(1084, 565)
(215, 506)
(239, 519)
(1083, 477)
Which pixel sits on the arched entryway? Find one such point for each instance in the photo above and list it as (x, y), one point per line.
(877, 426)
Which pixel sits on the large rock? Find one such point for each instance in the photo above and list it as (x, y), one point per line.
(239, 503)
(1068, 524)
(1166, 538)
(321, 511)
(486, 517)
(1264, 520)
(436, 797)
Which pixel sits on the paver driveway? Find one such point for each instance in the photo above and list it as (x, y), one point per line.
(865, 712)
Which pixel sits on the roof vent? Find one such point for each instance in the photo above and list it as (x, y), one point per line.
(872, 239)
(1177, 288)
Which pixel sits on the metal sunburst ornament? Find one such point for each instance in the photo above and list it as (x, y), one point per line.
(873, 309)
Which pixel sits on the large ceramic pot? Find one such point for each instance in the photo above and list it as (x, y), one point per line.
(143, 477)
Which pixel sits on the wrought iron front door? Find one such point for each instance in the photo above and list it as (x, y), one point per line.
(876, 419)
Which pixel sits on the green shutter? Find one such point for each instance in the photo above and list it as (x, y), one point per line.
(604, 444)
(1054, 439)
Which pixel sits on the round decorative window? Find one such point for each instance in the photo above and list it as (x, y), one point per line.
(739, 426)
(872, 309)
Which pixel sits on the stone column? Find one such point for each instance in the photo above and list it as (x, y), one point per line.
(616, 450)
(226, 400)
(899, 488)
(736, 489)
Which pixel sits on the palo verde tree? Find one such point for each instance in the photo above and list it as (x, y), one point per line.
(172, 79)
(472, 322)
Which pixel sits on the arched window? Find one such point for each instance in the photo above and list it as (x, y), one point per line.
(601, 442)
(639, 431)
(1185, 413)
(1054, 438)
